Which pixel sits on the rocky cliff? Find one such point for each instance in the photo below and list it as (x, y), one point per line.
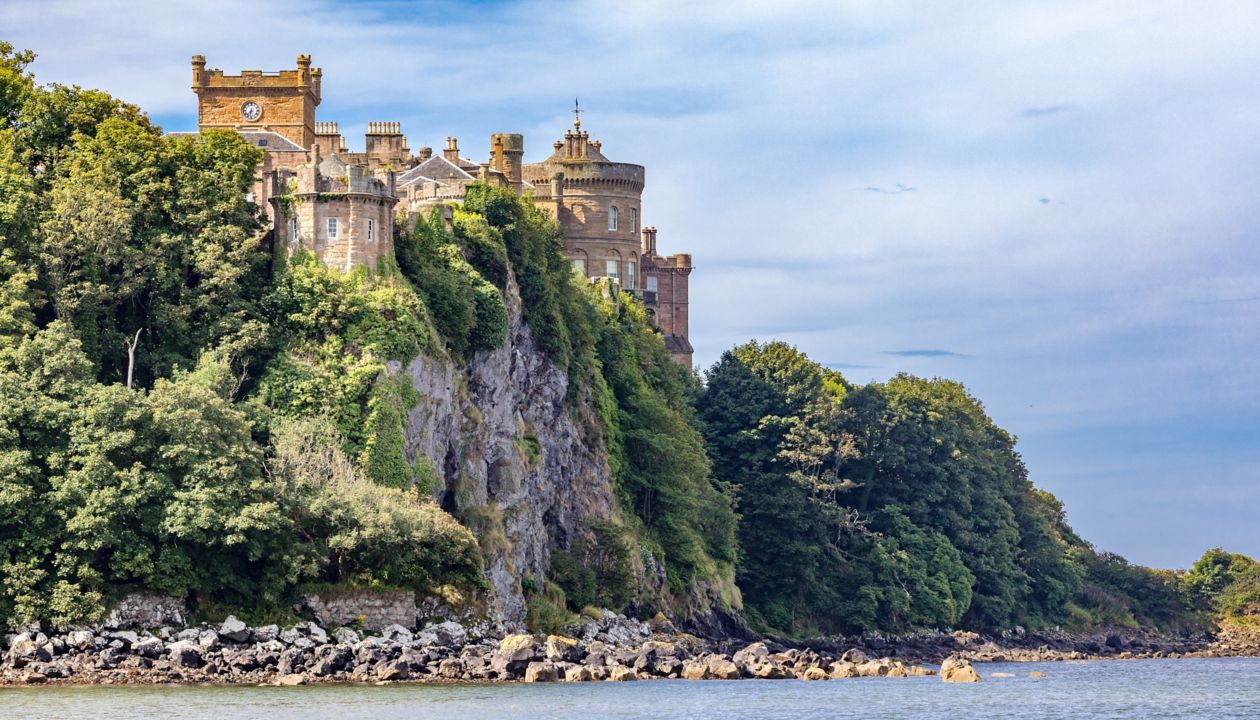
(515, 461)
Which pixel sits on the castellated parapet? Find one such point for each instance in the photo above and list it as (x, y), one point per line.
(343, 213)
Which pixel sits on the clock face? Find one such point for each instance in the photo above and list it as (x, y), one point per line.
(251, 111)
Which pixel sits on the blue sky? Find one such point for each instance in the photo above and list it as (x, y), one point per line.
(1055, 203)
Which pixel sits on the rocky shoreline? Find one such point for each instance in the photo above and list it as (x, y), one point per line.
(613, 648)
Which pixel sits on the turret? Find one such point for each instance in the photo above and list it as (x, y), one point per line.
(506, 151)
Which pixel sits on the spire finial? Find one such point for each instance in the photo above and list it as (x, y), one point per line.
(577, 114)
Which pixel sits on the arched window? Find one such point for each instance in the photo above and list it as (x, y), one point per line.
(293, 228)
(371, 231)
(630, 269)
(610, 269)
(634, 219)
(612, 217)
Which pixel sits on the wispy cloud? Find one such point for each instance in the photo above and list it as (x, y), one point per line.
(925, 353)
(1044, 111)
(895, 190)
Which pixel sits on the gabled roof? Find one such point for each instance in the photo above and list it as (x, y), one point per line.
(412, 175)
(266, 139)
(269, 140)
(439, 168)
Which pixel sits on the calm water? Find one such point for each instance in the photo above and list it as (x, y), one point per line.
(1227, 688)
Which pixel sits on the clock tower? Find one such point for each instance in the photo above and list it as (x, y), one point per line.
(282, 102)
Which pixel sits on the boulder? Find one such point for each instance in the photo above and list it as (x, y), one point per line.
(722, 668)
(541, 672)
(187, 654)
(451, 668)
(446, 634)
(291, 680)
(844, 669)
(266, 633)
(875, 668)
(319, 636)
(208, 640)
(814, 673)
(695, 670)
(514, 654)
(234, 630)
(1036, 674)
(558, 648)
(956, 669)
(80, 639)
(25, 650)
(621, 673)
(391, 670)
(331, 659)
(754, 654)
(855, 656)
(149, 647)
(396, 633)
(345, 636)
(919, 671)
(578, 673)
(769, 671)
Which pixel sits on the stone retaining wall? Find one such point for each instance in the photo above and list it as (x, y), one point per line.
(376, 609)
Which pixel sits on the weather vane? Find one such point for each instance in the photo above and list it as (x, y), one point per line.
(577, 114)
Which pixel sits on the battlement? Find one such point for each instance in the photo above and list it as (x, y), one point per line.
(384, 128)
(327, 128)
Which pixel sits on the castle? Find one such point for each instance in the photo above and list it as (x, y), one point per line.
(342, 205)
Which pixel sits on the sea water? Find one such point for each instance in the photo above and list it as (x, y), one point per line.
(1193, 688)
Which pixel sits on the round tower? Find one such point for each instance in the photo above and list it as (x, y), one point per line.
(597, 203)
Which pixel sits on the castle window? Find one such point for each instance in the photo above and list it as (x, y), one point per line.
(612, 219)
(630, 268)
(651, 283)
(371, 231)
(610, 269)
(332, 228)
(634, 219)
(293, 228)
(579, 265)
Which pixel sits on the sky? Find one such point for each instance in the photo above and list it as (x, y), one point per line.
(1055, 203)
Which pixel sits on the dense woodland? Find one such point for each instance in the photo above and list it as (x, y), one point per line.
(186, 410)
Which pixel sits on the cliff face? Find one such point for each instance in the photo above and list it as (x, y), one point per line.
(513, 460)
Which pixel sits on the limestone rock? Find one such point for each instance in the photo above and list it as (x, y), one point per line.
(578, 673)
(291, 680)
(558, 648)
(814, 673)
(855, 656)
(844, 669)
(345, 636)
(695, 670)
(541, 672)
(722, 668)
(266, 633)
(754, 654)
(620, 673)
(956, 669)
(514, 654)
(445, 634)
(875, 668)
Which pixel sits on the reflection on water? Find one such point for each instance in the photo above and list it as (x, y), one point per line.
(1226, 688)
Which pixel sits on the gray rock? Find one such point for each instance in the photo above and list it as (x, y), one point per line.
(345, 636)
(149, 647)
(234, 630)
(754, 654)
(316, 633)
(446, 634)
(391, 670)
(541, 672)
(186, 654)
(855, 656)
(127, 637)
(288, 636)
(190, 634)
(25, 650)
(396, 633)
(208, 640)
(266, 633)
(79, 639)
